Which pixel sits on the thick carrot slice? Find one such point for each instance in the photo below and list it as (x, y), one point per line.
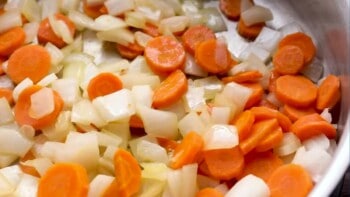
(272, 140)
(244, 123)
(188, 151)
(195, 35)
(170, 90)
(32, 61)
(244, 77)
(7, 93)
(260, 164)
(1, 69)
(46, 34)
(312, 125)
(28, 169)
(249, 32)
(231, 8)
(21, 109)
(288, 60)
(259, 131)
(290, 180)
(11, 40)
(296, 91)
(295, 113)
(164, 54)
(256, 96)
(168, 144)
(151, 30)
(303, 41)
(264, 113)
(224, 164)
(92, 11)
(213, 56)
(328, 92)
(209, 192)
(103, 84)
(64, 179)
(135, 122)
(131, 51)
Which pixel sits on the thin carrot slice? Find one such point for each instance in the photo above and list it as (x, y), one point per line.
(151, 30)
(290, 180)
(273, 139)
(295, 113)
(303, 41)
(231, 8)
(244, 77)
(170, 90)
(188, 151)
(213, 56)
(32, 61)
(244, 123)
(46, 34)
(7, 93)
(64, 179)
(296, 91)
(136, 122)
(260, 164)
(21, 109)
(209, 192)
(11, 40)
(259, 131)
(224, 164)
(328, 92)
(256, 96)
(168, 144)
(103, 84)
(195, 35)
(249, 32)
(264, 113)
(312, 125)
(288, 60)
(131, 51)
(1, 69)
(28, 169)
(92, 11)
(164, 54)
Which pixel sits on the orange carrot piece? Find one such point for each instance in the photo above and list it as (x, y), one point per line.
(32, 61)
(64, 179)
(168, 144)
(164, 54)
(261, 164)
(249, 32)
(131, 51)
(21, 109)
(244, 123)
(1, 69)
(103, 84)
(7, 93)
(295, 113)
(11, 40)
(288, 60)
(244, 77)
(328, 92)
(290, 180)
(92, 11)
(188, 151)
(303, 41)
(256, 96)
(296, 91)
(264, 113)
(46, 34)
(312, 125)
(194, 35)
(259, 131)
(270, 141)
(224, 164)
(213, 56)
(136, 122)
(170, 90)
(151, 30)
(209, 192)
(231, 8)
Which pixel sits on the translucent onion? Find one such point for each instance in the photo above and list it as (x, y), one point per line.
(151, 152)
(220, 136)
(106, 139)
(122, 36)
(174, 24)
(83, 112)
(156, 171)
(191, 67)
(99, 184)
(194, 98)
(191, 122)
(31, 30)
(108, 22)
(10, 19)
(142, 38)
(249, 185)
(237, 94)
(135, 19)
(142, 95)
(151, 15)
(28, 186)
(20, 87)
(212, 18)
(12, 174)
(221, 115)
(139, 65)
(178, 108)
(48, 8)
(81, 20)
(313, 71)
(290, 28)
(256, 14)
(61, 128)
(6, 82)
(47, 80)
(258, 50)
(326, 115)
(31, 10)
(320, 142)
(117, 7)
(212, 85)
(132, 79)
(13, 142)
(41, 103)
(6, 115)
(289, 144)
(68, 5)
(268, 38)
(40, 164)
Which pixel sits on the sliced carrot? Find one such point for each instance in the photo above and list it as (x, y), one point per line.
(21, 109)
(28, 169)
(64, 179)
(261, 164)
(209, 192)
(231, 8)
(249, 32)
(244, 77)
(103, 84)
(312, 125)
(164, 54)
(131, 51)
(103, 9)
(272, 140)
(170, 90)
(244, 123)
(151, 30)
(256, 96)
(295, 113)
(259, 131)
(328, 92)
(265, 113)
(1, 69)
(213, 56)
(7, 93)
(290, 180)
(188, 151)
(92, 11)
(46, 34)
(194, 35)
(32, 61)
(303, 41)
(288, 60)
(11, 40)
(135, 122)
(296, 91)
(224, 164)
(168, 144)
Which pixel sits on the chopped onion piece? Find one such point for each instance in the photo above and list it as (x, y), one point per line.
(20, 87)
(64, 32)
(55, 53)
(317, 142)
(246, 4)
(237, 94)
(253, 48)
(313, 71)
(139, 65)
(156, 171)
(6, 115)
(151, 15)
(135, 19)
(142, 95)
(183, 182)
(49, 7)
(118, 66)
(12, 174)
(220, 136)
(326, 115)
(28, 131)
(213, 19)
(68, 5)
(142, 38)
(222, 100)
(6, 82)
(221, 115)
(290, 143)
(61, 128)
(132, 79)
(191, 122)
(151, 152)
(28, 186)
(191, 67)
(256, 14)
(31, 30)
(212, 85)
(134, 142)
(99, 184)
(40, 164)
(271, 97)
(10, 19)
(249, 185)
(178, 108)
(108, 22)
(268, 38)
(47, 80)
(13, 142)
(13, 4)
(31, 10)
(41, 103)
(194, 98)
(54, 25)
(290, 28)
(83, 112)
(174, 24)
(107, 139)
(117, 7)
(191, 6)
(81, 20)
(119, 35)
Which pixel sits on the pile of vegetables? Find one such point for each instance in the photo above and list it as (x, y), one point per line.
(146, 98)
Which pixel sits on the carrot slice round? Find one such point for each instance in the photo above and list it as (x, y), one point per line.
(288, 60)
(11, 40)
(256, 96)
(249, 32)
(328, 93)
(244, 123)
(231, 8)
(103, 84)
(294, 113)
(92, 11)
(131, 51)
(195, 35)
(209, 192)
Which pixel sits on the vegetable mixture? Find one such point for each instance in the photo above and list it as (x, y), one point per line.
(149, 98)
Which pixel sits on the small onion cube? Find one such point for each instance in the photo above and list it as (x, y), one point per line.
(108, 22)
(41, 103)
(249, 185)
(220, 136)
(99, 184)
(174, 24)
(117, 7)
(6, 115)
(10, 19)
(191, 122)
(20, 87)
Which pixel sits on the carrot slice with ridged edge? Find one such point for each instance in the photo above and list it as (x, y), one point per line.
(328, 93)
(264, 113)
(194, 35)
(103, 84)
(288, 60)
(244, 123)
(11, 40)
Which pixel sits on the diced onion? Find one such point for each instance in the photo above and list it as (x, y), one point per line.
(271, 97)
(191, 122)
(253, 48)
(108, 22)
(191, 67)
(83, 112)
(142, 38)
(221, 115)
(68, 5)
(12, 173)
(194, 98)
(156, 171)
(117, 7)
(151, 152)
(317, 142)
(31, 30)
(289, 144)
(212, 85)
(99, 184)
(6, 82)
(81, 20)
(64, 32)
(220, 136)
(237, 94)
(139, 65)
(246, 4)
(28, 186)
(6, 115)
(213, 19)
(47, 80)
(49, 7)
(10, 19)
(40, 164)
(256, 14)
(94, 2)
(326, 115)
(268, 38)
(31, 10)
(119, 35)
(6, 189)
(20, 87)
(174, 24)
(178, 108)
(41, 103)
(61, 128)
(249, 185)
(13, 142)
(152, 16)
(28, 131)
(313, 71)
(135, 19)
(290, 28)
(13, 4)
(107, 139)
(142, 95)
(132, 79)
(183, 182)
